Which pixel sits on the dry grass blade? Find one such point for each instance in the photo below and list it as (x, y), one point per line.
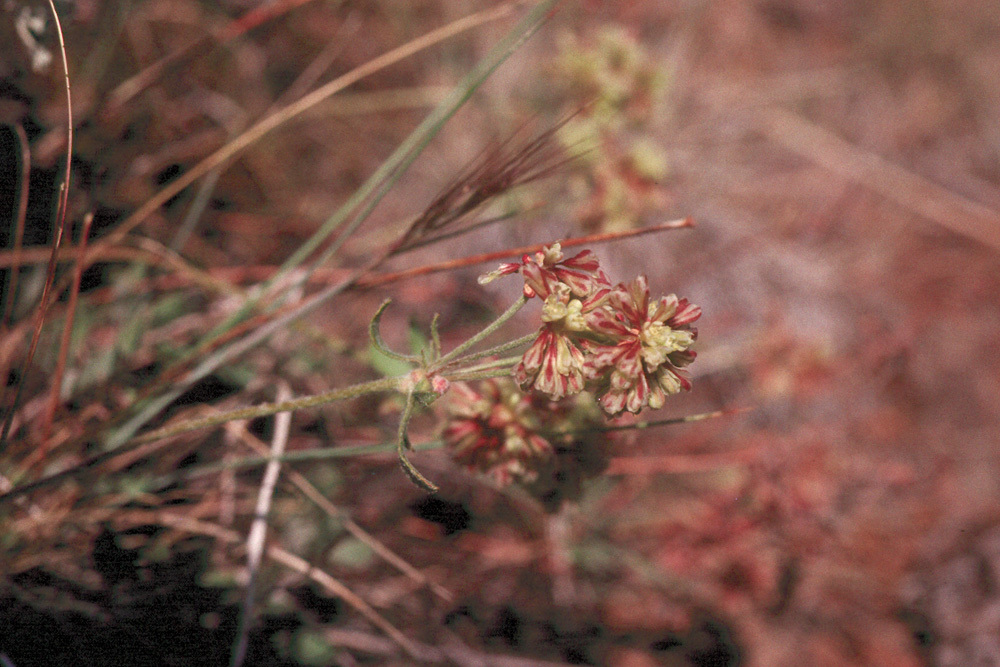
(256, 132)
(258, 529)
(60, 224)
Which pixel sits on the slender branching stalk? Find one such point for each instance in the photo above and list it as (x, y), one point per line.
(499, 349)
(482, 335)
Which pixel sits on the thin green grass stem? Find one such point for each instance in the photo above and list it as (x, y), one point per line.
(295, 457)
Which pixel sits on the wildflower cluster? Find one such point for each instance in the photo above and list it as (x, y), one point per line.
(616, 341)
(549, 446)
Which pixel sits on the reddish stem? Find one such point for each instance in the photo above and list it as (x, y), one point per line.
(381, 279)
(60, 224)
(64, 341)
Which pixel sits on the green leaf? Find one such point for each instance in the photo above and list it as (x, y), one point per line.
(352, 553)
(326, 478)
(169, 308)
(596, 558)
(310, 647)
(386, 365)
(217, 578)
(416, 339)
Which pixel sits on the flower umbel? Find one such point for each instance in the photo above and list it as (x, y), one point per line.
(617, 341)
(651, 344)
(553, 364)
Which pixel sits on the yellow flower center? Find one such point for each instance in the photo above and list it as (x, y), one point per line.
(659, 340)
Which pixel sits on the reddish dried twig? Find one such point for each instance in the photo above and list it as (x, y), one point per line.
(64, 341)
(382, 279)
(60, 224)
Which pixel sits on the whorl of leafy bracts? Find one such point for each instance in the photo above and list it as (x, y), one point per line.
(616, 341)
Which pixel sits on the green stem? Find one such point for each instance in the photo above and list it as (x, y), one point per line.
(508, 362)
(403, 443)
(266, 409)
(482, 375)
(510, 345)
(497, 323)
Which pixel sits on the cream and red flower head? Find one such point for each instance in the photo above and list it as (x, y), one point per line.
(615, 341)
(546, 269)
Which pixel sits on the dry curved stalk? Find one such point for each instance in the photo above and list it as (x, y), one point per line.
(64, 341)
(60, 224)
